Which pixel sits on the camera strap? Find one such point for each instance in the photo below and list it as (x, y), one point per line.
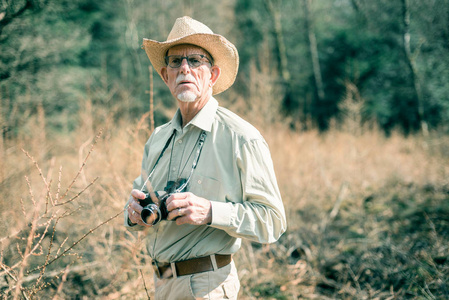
(157, 161)
(200, 142)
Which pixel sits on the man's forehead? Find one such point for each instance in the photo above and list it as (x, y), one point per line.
(186, 48)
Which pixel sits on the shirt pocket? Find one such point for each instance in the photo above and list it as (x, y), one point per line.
(206, 187)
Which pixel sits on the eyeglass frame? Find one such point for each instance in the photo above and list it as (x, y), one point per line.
(166, 59)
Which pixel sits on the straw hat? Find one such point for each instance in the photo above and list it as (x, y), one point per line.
(189, 31)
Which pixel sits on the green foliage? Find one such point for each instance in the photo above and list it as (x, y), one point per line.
(57, 53)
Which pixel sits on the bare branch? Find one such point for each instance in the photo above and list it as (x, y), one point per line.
(76, 243)
(40, 174)
(10, 235)
(77, 195)
(59, 182)
(28, 250)
(82, 166)
(144, 284)
(47, 258)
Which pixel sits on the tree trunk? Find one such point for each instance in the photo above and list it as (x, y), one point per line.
(412, 65)
(313, 50)
(273, 9)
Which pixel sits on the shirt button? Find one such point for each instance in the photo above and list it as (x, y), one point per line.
(199, 181)
(174, 168)
(180, 141)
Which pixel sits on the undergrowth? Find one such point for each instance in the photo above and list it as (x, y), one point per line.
(368, 217)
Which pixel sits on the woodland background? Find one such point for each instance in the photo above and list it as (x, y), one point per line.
(351, 95)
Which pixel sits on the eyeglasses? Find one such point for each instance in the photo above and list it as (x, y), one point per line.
(194, 60)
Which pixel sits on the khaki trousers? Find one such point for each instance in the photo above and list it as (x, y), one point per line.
(220, 284)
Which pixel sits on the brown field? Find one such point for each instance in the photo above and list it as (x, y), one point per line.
(368, 215)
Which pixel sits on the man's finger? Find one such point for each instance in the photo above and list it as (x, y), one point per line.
(137, 194)
(176, 197)
(135, 206)
(175, 204)
(135, 217)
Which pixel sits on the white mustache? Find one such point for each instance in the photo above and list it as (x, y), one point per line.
(182, 77)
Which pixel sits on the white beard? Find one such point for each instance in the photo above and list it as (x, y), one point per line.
(186, 97)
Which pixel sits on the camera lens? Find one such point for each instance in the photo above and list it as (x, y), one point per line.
(149, 210)
(146, 212)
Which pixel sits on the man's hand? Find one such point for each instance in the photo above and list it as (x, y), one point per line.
(187, 208)
(134, 209)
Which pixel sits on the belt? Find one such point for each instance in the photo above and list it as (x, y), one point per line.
(191, 266)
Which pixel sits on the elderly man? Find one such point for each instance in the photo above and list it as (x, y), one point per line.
(215, 168)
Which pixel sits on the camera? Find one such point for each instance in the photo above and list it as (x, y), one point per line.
(154, 203)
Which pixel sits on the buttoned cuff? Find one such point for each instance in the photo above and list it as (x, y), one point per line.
(130, 224)
(221, 214)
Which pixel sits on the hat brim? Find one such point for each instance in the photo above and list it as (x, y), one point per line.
(223, 52)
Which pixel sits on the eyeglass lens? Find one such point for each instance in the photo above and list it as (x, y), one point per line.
(194, 60)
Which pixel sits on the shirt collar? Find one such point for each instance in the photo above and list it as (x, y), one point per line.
(203, 119)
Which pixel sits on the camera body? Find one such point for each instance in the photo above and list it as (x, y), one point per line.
(157, 207)
(155, 203)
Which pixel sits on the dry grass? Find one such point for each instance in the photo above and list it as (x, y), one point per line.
(367, 215)
(362, 211)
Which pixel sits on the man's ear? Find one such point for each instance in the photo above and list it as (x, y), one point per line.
(215, 72)
(164, 74)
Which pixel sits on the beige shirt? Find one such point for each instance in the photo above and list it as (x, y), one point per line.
(235, 172)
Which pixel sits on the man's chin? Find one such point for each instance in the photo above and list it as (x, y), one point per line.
(186, 97)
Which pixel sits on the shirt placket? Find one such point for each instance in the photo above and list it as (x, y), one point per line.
(180, 154)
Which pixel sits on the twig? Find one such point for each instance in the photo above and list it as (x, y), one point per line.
(341, 196)
(48, 196)
(76, 243)
(41, 238)
(20, 253)
(5, 268)
(63, 279)
(28, 246)
(30, 191)
(336, 208)
(23, 207)
(40, 173)
(144, 284)
(10, 236)
(78, 268)
(59, 182)
(47, 258)
(62, 244)
(77, 195)
(82, 166)
(141, 123)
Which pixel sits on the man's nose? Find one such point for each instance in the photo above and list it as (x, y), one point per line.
(184, 68)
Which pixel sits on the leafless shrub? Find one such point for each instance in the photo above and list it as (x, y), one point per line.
(36, 239)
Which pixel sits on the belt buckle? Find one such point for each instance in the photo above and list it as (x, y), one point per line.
(156, 269)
